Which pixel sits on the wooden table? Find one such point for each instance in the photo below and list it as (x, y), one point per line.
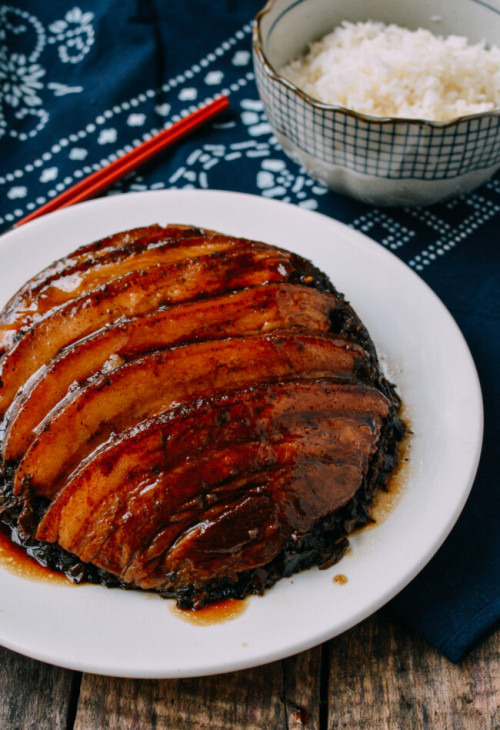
(377, 675)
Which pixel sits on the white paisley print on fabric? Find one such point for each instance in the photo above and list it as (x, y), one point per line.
(273, 177)
(23, 42)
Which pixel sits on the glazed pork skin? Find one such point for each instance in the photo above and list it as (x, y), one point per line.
(136, 292)
(69, 264)
(156, 249)
(252, 446)
(250, 311)
(151, 384)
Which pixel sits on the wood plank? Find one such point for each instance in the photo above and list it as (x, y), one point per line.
(33, 695)
(382, 676)
(250, 699)
(278, 695)
(302, 686)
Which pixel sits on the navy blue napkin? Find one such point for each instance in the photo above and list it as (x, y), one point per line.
(81, 83)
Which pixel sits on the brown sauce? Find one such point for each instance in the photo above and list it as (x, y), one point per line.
(340, 579)
(385, 500)
(14, 559)
(216, 613)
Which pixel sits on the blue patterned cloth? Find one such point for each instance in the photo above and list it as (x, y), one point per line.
(80, 84)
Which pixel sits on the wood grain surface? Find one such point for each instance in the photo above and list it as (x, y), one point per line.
(376, 676)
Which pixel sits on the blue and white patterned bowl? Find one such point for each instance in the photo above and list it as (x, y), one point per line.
(384, 161)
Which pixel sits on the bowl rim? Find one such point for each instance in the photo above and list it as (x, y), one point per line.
(323, 106)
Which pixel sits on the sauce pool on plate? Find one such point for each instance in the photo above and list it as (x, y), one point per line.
(14, 559)
(216, 613)
(385, 500)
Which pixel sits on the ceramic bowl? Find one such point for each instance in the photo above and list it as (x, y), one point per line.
(384, 161)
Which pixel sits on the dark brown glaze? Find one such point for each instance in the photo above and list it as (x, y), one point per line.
(138, 292)
(263, 412)
(157, 249)
(102, 245)
(247, 532)
(61, 267)
(148, 385)
(203, 416)
(83, 253)
(250, 311)
(202, 458)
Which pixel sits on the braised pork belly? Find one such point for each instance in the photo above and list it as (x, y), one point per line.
(190, 413)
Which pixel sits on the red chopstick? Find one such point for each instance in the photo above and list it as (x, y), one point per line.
(106, 176)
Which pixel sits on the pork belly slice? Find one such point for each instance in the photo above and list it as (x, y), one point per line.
(248, 311)
(117, 246)
(91, 251)
(158, 249)
(103, 245)
(243, 534)
(130, 516)
(148, 385)
(69, 263)
(192, 431)
(191, 479)
(137, 293)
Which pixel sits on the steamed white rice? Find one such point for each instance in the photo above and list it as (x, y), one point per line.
(385, 70)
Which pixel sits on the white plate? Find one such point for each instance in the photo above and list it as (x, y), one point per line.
(131, 634)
